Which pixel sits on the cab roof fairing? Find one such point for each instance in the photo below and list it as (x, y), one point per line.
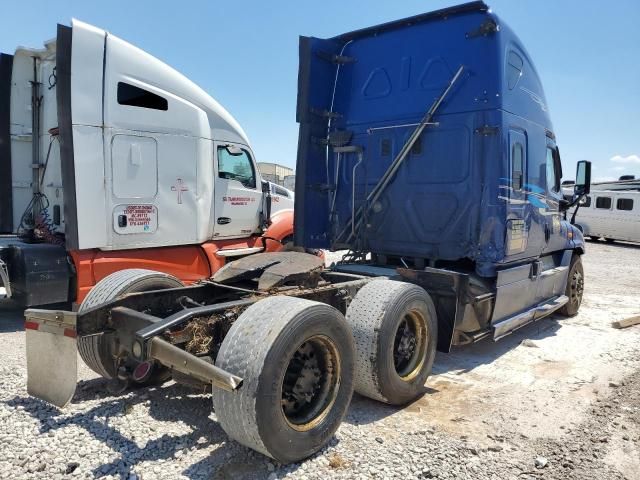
(476, 6)
(222, 124)
(373, 51)
(527, 99)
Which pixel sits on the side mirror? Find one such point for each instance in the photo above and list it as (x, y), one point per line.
(266, 213)
(583, 178)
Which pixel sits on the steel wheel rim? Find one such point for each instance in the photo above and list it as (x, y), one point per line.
(310, 383)
(576, 288)
(410, 345)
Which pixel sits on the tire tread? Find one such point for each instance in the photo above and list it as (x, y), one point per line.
(109, 288)
(366, 315)
(244, 352)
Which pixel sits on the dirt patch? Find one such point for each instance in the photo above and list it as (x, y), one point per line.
(606, 444)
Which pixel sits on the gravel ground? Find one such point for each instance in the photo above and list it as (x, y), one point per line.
(557, 400)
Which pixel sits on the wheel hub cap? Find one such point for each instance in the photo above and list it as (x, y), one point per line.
(310, 383)
(577, 287)
(410, 345)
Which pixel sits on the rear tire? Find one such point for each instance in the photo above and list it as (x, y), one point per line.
(574, 288)
(296, 359)
(395, 329)
(98, 351)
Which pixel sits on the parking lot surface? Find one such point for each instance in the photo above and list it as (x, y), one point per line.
(558, 399)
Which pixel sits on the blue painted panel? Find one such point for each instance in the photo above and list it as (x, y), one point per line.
(428, 196)
(397, 74)
(315, 91)
(447, 201)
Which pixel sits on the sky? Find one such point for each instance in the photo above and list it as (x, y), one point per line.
(245, 55)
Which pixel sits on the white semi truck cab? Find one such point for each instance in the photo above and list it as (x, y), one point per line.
(108, 153)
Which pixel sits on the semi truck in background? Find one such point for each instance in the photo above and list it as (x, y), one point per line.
(112, 160)
(426, 149)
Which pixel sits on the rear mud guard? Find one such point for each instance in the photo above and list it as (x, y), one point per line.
(52, 358)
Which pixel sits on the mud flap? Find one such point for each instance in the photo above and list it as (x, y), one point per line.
(52, 358)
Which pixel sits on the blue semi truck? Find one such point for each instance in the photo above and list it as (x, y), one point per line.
(427, 152)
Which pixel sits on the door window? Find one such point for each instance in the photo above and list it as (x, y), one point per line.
(235, 164)
(553, 177)
(517, 166)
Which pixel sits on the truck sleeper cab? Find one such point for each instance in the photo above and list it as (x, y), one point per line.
(474, 195)
(122, 162)
(445, 187)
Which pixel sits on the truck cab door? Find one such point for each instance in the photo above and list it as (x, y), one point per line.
(518, 222)
(238, 192)
(152, 140)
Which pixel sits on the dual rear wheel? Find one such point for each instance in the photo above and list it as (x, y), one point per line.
(300, 364)
(300, 360)
(395, 329)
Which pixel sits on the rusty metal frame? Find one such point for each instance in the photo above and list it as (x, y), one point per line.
(134, 319)
(184, 362)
